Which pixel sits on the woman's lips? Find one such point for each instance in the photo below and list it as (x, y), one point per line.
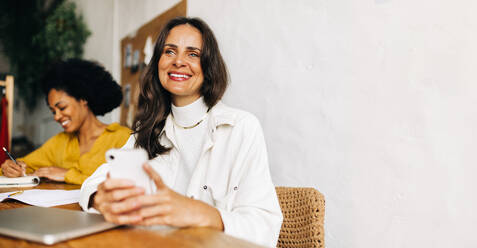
(178, 76)
(65, 123)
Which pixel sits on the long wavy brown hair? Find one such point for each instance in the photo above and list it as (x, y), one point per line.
(154, 103)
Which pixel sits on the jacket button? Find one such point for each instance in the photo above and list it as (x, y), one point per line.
(191, 197)
(235, 188)
(205, 187)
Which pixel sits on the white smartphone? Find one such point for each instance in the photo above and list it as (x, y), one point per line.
(127, 164)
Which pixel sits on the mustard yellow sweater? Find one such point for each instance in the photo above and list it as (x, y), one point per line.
(62, 150)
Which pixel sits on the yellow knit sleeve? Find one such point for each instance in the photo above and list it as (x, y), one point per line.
(46, 155)
(74, 176)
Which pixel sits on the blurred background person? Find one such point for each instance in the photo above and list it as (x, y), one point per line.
(76, 92)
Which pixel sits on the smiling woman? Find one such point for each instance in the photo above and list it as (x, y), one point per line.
(208, 161)
(76, 92)
(180, 72)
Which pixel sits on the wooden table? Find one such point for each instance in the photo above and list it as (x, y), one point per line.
(127, 236)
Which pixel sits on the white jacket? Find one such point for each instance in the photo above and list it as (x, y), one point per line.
(232, 175)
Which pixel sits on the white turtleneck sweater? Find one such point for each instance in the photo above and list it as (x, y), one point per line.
(189, 141)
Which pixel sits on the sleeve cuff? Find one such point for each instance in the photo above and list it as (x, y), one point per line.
(227, 221)
(251, 228)
(86, 193)
(90, 186)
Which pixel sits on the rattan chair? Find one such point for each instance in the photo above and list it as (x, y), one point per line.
(303, 217)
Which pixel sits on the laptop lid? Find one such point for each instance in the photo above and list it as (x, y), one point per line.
(50, 225)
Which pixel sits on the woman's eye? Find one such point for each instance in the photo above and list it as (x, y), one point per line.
(170, 52)
(194, 55)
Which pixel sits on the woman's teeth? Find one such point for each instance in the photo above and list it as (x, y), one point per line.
(179, 75)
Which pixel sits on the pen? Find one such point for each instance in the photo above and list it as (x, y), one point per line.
(15, 193)
(11, 157)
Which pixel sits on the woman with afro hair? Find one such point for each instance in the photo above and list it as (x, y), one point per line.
(76, 92)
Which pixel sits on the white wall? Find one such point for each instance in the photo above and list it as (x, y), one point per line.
(99, 16)
(371, 102)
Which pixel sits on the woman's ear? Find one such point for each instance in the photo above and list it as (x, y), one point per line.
(83, 102)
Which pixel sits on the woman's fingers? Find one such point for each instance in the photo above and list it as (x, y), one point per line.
(41, 172)
(166, 208)
(10, 172)
(11, 169)
(6, 170)
(156, 220)
(14, 172)
(15, 167)
(119, 212)
(124, 219)
(23, 167)
(123, 203)
(121, 194)
(113, 190)
(111, 184)
(117, 196)
(156, 210)
(154, 176)
(158, 198)
(122, 206)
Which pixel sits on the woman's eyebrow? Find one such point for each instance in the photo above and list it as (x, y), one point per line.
(188, 48)
(58, 103)
(194, 48)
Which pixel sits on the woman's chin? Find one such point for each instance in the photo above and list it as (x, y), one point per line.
(68, 129)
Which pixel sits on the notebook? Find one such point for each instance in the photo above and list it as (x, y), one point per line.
(43, 197)
(50, 225)
(14, 182)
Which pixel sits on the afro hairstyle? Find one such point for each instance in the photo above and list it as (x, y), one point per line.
(84, 80)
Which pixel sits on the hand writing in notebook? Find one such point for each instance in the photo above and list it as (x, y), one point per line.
(12, 169)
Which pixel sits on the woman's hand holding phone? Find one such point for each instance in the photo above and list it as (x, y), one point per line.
(121, 202)
(126, 197)
(167, 207)
(116, 196)
(117, 200)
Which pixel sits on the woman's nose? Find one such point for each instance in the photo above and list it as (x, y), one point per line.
(179, 61)
(57, 116)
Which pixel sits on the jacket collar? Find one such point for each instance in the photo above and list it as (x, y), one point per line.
(218, 116)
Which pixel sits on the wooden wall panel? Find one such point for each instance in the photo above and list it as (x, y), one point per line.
(130, 75)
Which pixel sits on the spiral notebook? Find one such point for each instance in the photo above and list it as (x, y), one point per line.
(14, 182)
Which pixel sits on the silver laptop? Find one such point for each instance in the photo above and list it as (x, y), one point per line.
(50, 225)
